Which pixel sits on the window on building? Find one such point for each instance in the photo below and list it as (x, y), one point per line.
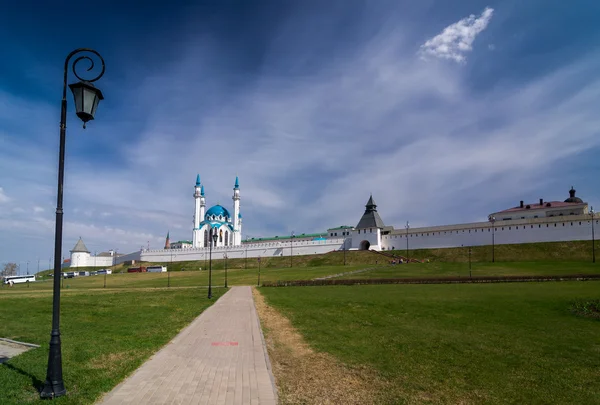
(517, 227)
(555, 225)
(370, 230)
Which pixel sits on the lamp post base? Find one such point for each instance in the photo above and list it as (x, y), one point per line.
(53, 389)
(54, 385)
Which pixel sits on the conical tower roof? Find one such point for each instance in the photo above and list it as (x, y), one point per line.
(80, 247)
(370, 218)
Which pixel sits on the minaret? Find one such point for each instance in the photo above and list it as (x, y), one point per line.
(168, 242)
(202, 204)
(198, 197)
(237, 226)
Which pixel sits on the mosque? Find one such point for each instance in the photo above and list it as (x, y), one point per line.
(543, 221)
(216, 220)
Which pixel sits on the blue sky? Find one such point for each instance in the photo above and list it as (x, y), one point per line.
(445, 112)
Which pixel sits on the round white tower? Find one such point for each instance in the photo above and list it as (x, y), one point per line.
(80, 255)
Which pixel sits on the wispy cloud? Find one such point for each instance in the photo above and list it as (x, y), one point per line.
(3, 197)
(457, 39)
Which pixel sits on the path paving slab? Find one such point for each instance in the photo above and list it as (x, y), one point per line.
(10, 348)
(220, 358)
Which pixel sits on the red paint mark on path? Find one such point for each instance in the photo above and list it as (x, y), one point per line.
(224, 344)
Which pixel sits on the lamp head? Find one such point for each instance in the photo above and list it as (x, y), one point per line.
(87, 97)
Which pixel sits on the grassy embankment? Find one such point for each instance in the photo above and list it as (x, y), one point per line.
(577, 251)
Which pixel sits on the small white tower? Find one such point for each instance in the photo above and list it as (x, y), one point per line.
(198, 212)
(237, 217)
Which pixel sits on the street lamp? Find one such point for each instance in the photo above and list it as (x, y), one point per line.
(214, 242)
(407, 228)
(258, 284)
(292, 249)
(86, 98)
(593, 238)
(345, 250)
(492, 220)
(225, 257)
(469, 262)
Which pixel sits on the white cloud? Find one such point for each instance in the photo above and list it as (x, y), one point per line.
(457, 39)
(3, 197)
(37, 209)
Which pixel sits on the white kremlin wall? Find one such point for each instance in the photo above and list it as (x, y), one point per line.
(82, 259)
(548, 229)
(254, 250)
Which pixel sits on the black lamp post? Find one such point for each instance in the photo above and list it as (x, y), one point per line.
(407, 228)
(258, 284)
(214, 242)
(225, 256)
(292, 248)
(492, 220)
(86, 98)
(593, 237)
(345, 250)
(470, 263)
(169, 270)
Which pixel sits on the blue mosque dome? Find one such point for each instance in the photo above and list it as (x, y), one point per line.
(217, 213)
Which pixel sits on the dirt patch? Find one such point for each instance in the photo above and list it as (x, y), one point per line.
(110, 361)
(304, 376)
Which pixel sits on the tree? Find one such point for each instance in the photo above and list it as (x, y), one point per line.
(9, 269)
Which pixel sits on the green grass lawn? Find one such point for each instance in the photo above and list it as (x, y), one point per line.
(481, 269)
(186, 278)
(105, 336)
(497, 343)
(197, 278)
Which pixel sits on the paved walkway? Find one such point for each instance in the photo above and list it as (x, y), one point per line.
(220, 358)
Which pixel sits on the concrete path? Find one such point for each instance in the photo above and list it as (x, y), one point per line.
(220, 358)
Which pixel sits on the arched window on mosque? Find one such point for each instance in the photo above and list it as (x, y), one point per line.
(221, 235)
(226, 238)
(206, 238)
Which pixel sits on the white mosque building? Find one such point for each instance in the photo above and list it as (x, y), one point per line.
(217, 220)
(543, 221)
